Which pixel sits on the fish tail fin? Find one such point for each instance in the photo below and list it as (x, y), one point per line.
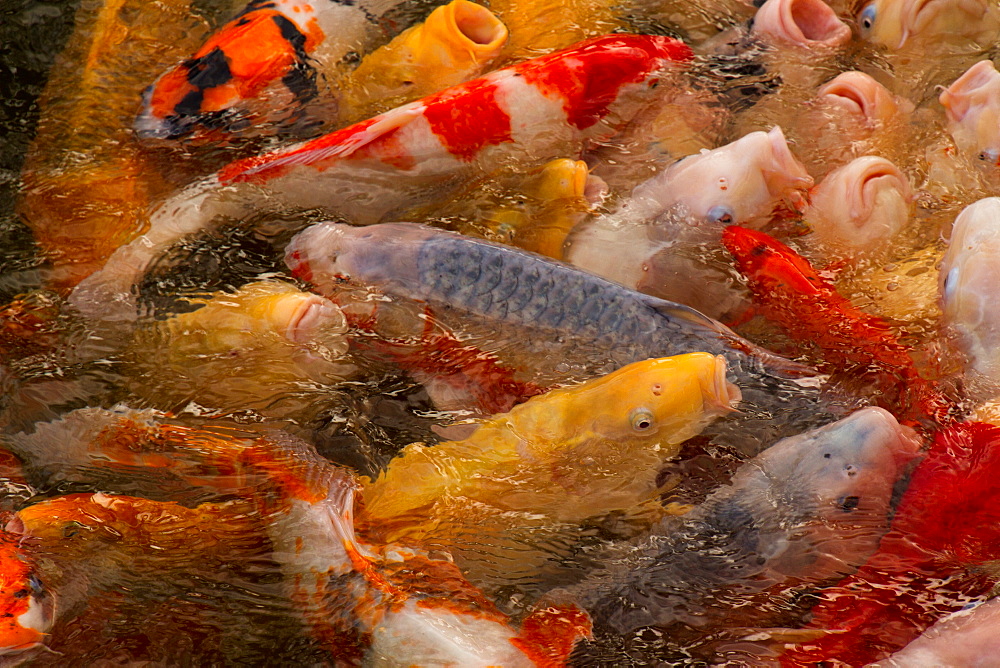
(109, 295)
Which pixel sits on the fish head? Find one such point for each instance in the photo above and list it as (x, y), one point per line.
(860, 206)
(736, 184)
(382, 256)
(803, 23)
(222, 87)
(658, 399)
(893, 23)
(967, 283)
(266, 308)
(834, 484)
(972, 108)
(772, 264)
(26, 607)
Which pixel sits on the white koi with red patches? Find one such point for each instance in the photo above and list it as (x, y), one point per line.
(544, 108)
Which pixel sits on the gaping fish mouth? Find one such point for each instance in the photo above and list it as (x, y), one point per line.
(850, 95)
(813, 21)
(874, 176)
(727, 394)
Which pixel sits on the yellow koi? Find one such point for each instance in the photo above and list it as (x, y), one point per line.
(454, 44)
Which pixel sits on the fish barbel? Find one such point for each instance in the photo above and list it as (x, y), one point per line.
(542, 304)
(532, 112)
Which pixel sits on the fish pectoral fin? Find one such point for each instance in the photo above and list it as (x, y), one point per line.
(382, 126)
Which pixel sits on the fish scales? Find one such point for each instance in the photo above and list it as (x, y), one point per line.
(541, 294)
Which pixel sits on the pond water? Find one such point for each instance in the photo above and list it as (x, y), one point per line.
(224, 343)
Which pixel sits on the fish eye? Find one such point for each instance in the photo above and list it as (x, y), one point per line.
(848, 503)
(866, 19)
(71, 529)
(641, 420)
(951, 284)
(720, 214)
(37, 588)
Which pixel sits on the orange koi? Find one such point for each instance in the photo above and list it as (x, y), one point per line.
(362, 600)
(263, 65)
(792, 293)
(25, 606)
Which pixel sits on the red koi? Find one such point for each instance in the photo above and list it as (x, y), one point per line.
(793, 294)
(562, 92)
(931, 563)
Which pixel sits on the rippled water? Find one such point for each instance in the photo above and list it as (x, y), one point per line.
(361, 410)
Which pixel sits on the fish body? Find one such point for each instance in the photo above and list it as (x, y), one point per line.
(115, 564)
(528, 113)
(810, 308)
(529, 460)
(87, 181)
(258, 69)
(268, 347)
(968, 271)
(362, 601)
(934, 560)
(809, 508)
(479, 277)
(972, 108)
(964, 638)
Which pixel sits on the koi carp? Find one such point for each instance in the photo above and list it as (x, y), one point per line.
(529, 113)
(550, 463)
(263, 64)
(574, 321)
(793, 294)
(807, 509)
(933, 561)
